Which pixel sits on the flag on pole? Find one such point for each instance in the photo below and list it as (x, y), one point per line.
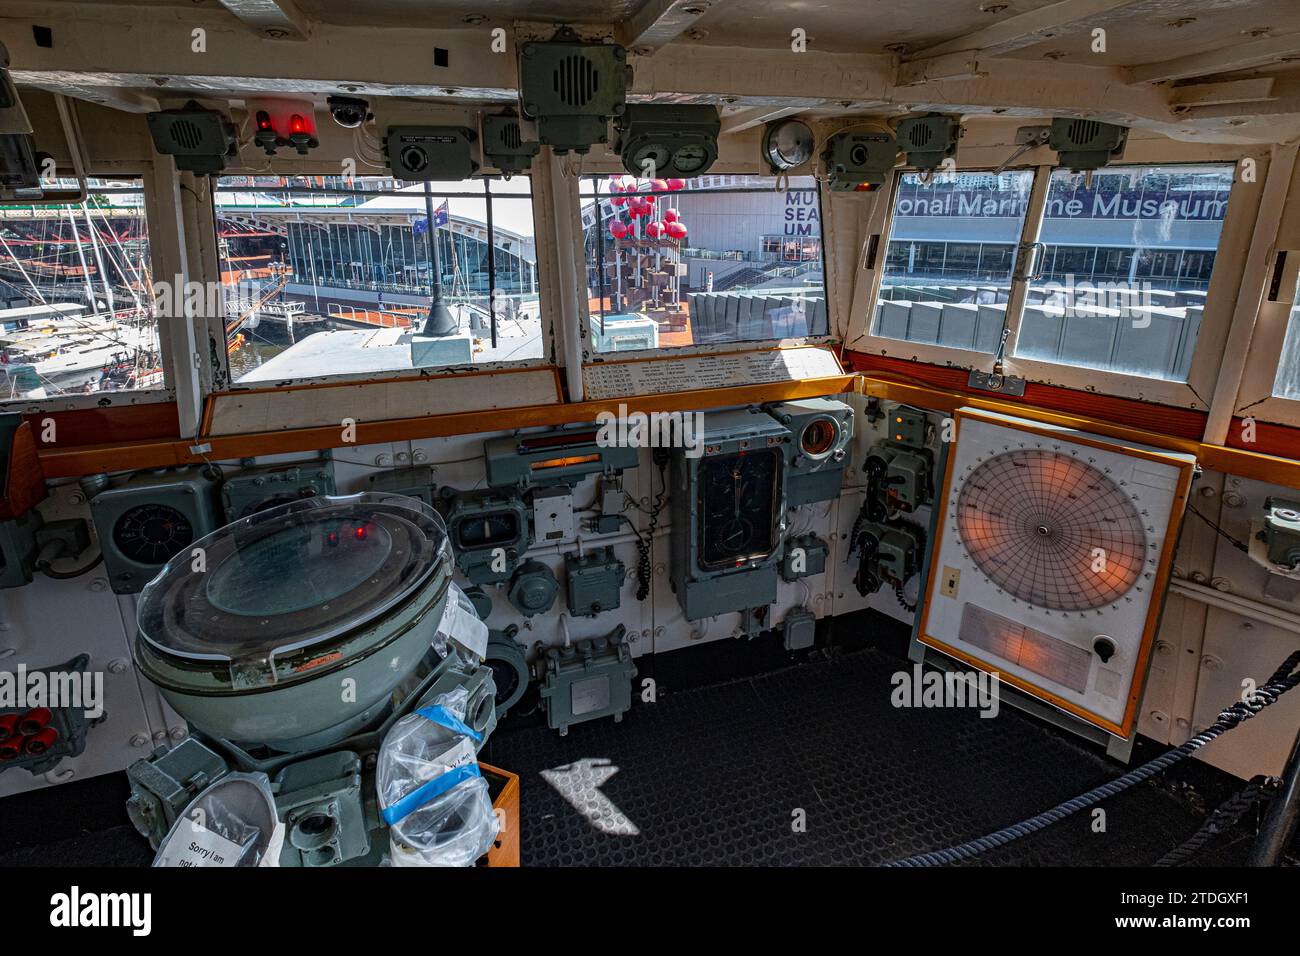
(440, 216)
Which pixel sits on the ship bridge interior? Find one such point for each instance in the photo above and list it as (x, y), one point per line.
(659, 433)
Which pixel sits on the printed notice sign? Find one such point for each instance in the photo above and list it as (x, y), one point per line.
(656, 376)
(198, 847)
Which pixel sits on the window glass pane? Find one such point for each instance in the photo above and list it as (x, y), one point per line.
(949, 258)
(77, 309)
(712, 259)
(1287, 383)
(1127, 264)
(329, 276)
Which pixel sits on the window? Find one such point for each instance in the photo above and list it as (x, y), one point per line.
(707, 260)
(947, 276)
(1287, 382)
(327, 276)
(77, 299)
(1124, 266)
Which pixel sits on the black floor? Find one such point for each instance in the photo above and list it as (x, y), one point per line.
(800, 762)
(717, 775)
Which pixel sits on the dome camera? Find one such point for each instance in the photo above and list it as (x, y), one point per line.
(349, 112)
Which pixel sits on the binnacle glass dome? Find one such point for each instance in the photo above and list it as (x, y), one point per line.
(293, 576)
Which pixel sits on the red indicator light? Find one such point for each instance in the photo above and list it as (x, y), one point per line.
(297, 124)
(263, 119)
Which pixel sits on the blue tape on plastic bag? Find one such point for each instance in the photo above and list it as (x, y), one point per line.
(423, 794)
(444, 718)
(439, 785)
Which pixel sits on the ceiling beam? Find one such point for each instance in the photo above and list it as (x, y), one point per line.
(947, 66)
(273, 19)
(659, 22)
(1025, 29)
(1239, 56)
(756, 116)
(126, 100)
(1218, 94)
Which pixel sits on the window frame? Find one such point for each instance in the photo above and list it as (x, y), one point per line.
(1195, 393)
(548, 358)
(145, 174)
(1265, 356)
(834, 336)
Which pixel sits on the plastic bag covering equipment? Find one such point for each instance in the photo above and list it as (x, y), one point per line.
(275, 605)
(231, 823)
(431, 793)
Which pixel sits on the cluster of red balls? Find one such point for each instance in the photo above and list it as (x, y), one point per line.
(641, 205)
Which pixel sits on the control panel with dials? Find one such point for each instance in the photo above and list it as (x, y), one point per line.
(729, 514)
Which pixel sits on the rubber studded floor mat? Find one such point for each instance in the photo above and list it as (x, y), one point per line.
(813, 765)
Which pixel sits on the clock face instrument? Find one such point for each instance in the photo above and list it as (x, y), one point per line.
(737, 497)
(1051, 530)
(152, 533)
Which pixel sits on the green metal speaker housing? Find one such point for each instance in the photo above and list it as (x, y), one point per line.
(200, 139)
(814, 551)
(929, 140)
(504, 145)
(1086, 144)
(572, 90)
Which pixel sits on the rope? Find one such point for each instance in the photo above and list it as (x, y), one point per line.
(1224, 818)
(1284, 679)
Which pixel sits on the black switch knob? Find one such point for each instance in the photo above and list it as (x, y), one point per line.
(1104, 648)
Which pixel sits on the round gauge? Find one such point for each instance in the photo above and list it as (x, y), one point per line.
(649, 161)
(1051, 530)
(818, 437)
(150, 534)
(690, 159)
(788, 144)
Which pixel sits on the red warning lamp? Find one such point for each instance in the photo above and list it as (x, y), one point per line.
(300, 134)
(266, 136)
(283, 121)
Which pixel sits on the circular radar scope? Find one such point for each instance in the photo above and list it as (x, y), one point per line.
(1051, 530)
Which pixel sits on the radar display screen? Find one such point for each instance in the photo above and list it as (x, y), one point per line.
(1051, 530)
